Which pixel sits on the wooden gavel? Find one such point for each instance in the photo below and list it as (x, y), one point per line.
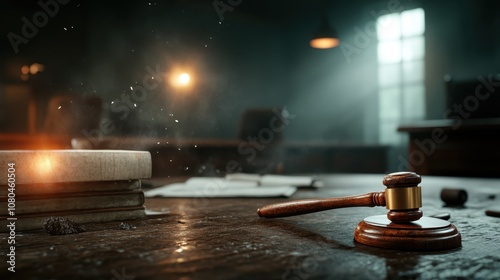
(402, 197)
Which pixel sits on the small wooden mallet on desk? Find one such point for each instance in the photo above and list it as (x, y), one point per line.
(403, 228)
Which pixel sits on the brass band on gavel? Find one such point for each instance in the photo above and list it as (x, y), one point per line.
(403, 198)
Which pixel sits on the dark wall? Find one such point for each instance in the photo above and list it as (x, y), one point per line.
(257, 56)
(237, 63)
(335, 91)
(463, 41)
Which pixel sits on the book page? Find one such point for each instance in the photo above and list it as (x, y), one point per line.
(301, 181)
(274, 180)
(243, 177)
(219, 182)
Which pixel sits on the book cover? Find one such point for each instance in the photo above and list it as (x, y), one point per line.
(71, 187)
(73, 201)
(56, 166)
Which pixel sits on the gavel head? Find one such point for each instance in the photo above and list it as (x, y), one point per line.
(403, 197)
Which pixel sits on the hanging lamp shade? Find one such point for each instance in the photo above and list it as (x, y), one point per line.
(325, 37)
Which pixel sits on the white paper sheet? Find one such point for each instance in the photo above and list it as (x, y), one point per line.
(220, 190)
(273, 179)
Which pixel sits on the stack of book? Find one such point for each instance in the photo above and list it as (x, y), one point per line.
(83, 185)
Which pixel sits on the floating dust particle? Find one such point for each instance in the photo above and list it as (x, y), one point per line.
(61, 226)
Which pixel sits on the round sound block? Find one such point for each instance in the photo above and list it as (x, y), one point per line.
(425, 234)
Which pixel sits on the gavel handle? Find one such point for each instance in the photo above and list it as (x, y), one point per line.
(306, 206)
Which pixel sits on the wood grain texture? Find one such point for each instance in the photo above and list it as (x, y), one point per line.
(56, 166)
(405, 204)
(423, 235)
(306, 206)
(401, 179)
(225, 239)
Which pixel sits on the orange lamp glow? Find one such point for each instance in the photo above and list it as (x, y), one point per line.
(44, 165)
(184, 79)
(325, 38)
(324, 43)
(181, 80)
(25, 70)
(35, 68)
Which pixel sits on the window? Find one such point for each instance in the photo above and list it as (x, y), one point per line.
(400, 52)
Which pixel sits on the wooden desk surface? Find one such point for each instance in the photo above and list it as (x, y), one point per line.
(448, 125)
(225, 239)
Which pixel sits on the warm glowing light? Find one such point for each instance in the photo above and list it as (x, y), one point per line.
(182, 246)
(35, 68)
(324, 43)
(181, 79)
(184, 79)
(25, 69)
(44, 165)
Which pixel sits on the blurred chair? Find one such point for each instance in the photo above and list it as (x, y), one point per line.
(70, 115)
(261, 134)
